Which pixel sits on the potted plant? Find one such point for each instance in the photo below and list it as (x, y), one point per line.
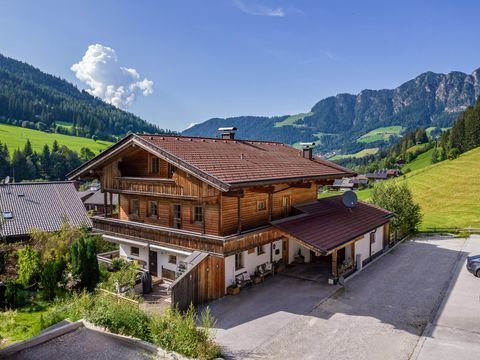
(233, 289)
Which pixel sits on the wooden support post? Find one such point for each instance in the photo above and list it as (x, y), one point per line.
(105, 204)
(111, 204)
(334, 265)
(353, 256)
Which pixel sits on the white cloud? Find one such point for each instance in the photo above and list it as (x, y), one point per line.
(257, 9)
(109, 81)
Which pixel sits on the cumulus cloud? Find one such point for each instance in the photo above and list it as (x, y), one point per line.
(260, 10)
(109, 81)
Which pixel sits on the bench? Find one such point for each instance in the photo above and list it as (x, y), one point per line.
(243, 279)
(263, 270)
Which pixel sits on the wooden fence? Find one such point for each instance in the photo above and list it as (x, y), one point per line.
(119, 297)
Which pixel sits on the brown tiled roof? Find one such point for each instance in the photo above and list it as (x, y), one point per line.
(43, 206)
(228, 163)
(238, 161)
(328, 224)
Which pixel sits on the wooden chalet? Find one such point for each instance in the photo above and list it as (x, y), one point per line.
(202, 211)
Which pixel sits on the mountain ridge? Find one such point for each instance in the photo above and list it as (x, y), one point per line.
(429, 99)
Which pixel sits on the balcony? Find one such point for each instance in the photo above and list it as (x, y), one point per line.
(153, 186)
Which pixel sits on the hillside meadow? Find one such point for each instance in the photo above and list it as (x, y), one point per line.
(15, 137)
(448, 192)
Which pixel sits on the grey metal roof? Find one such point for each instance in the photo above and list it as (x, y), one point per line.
(98, 199)
(43, 205)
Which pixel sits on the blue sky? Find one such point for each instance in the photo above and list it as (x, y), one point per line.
(244, 57)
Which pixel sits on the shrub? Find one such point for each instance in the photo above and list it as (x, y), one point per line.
(51, 275)
(399, 200)
(119, 263)
(28, 266)
(127, 274)
(15, 295)
(85, 263)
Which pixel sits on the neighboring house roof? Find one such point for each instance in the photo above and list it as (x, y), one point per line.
(327, 224)
(98, 198)
(377, 175)
(227, 163)
(43, 206)
(84, 195)
(343, 183)
(360, 181)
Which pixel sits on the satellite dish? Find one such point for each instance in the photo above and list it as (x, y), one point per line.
(7, 179)
(349, 199)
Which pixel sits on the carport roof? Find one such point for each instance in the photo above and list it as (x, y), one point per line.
(327, 224)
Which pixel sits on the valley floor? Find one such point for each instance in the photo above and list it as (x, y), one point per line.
(379, 314)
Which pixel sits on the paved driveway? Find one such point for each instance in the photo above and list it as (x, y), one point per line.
(455, 331)
(380, 313)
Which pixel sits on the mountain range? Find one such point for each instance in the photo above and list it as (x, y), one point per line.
(429, 100)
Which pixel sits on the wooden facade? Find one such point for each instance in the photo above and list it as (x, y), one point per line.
(164, 205)
(204, 282)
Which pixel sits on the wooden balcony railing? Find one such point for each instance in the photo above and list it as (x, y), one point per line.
(153, 186)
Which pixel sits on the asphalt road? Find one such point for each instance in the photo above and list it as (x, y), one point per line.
(380, 314)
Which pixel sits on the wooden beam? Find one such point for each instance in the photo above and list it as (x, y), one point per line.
(234, 193)
(105, 204)
(270, 206)
(263, 189)
(306, 185)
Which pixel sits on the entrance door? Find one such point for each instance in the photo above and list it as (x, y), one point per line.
(285, 251)
(153, 263)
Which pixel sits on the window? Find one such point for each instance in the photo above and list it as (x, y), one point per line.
(177, 216)
(372, 237)
(135, 207)
(260, 250)
(172, 259)
(261, 205)
(7, 215)
(154, 165)
(153, 209)
(171, 170)
(286, 205)
(134, 251)
(198, 214)
(238, 261)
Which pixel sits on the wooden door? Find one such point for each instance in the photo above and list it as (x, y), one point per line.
(285, 251)
(153, 263)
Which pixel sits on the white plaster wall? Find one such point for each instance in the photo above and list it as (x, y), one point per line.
(142, 254)
(293, 247)
(363, 247)
(378, 244)
(229, 271)
(250, 261)
(162, 256)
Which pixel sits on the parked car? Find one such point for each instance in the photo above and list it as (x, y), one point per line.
(473, 265)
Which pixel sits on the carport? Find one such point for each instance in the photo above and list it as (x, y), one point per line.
(341, 238)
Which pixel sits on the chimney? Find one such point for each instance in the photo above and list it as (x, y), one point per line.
(307, 149)
(228, 132)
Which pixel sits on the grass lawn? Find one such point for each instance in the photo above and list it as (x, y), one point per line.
(380, 134)
(421, 161)
(15, 137)
(291, 120)
(361, 153)
(21, 324)
(448, 192)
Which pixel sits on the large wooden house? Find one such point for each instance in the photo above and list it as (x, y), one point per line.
(201, 211)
